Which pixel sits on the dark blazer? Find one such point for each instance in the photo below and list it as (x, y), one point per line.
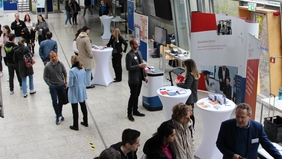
(154, 151)
(132, 66)
(106, 10)
(220, 73)
(192, 84)
(117, 44)
(18, 27)
(226, 141)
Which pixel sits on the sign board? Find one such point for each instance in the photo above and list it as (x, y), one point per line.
(252, 6)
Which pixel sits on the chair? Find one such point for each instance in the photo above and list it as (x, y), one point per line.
(176, 71)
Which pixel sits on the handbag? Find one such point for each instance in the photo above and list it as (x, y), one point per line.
(65, 99)
(28, 60)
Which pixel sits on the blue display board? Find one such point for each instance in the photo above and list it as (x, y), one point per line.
(10, 4)
(240, 89)
(130, 15)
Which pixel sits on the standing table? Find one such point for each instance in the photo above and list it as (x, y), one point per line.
(102, 74)
(213, 114)
(168, 101)
(106, 21)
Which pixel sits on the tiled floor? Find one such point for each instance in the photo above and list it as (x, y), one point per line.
(28, 130)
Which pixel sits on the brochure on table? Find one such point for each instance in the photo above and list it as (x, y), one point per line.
(220, 40)
(168, 92)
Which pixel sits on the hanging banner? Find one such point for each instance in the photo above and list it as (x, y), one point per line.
(141, 33)
(40, 4)
(130, 15)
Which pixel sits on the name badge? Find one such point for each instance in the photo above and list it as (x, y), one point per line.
(135, 57)
(256, 140)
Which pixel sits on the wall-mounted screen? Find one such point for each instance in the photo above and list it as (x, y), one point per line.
(160, 35)
(163, 9)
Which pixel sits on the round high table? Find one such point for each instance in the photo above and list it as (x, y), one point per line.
(168, 101)
(102, 74)
(213, 114)
(106, 21)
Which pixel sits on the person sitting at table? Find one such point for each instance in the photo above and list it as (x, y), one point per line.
(116, 41)
(239, 138)
(159, 146)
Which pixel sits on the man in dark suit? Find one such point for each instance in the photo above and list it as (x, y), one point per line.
(239, 138)
(223, 73)
(136, 73)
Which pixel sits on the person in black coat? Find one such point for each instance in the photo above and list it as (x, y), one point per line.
(191, 82)
(223, 73)
(227, 89)
(103, 9)
(17, 26)
(116, 42)
(24, 71)
(74, 9)
(155, 146)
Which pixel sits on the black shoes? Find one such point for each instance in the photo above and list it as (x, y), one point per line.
(137, 113)
(84, 124)
(130, 117)
(89, 87)
(74, 128)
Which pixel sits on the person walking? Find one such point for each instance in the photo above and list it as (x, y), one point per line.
(24, 71)
(75, 8)
(6, 32)
(68, 13)
(12, 66)
(29, 26)
(74, 46)
(41, 28)
(191, 82)
(116, 42)
(55, 76)
(17, 26)
(136, 73)
(46, 47)
(85, 54)
(77, 91)
(87, 5)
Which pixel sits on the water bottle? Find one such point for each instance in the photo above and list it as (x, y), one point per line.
(280, 93)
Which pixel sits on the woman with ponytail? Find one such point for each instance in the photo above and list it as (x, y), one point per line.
(77, 91)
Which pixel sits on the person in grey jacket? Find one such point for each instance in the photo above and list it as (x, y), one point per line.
(46, 47)
(55, 76)
(191, 82)
(136, 73)
(77, 91)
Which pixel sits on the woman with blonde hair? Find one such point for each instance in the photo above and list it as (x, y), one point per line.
(191, 82)
(115, 42)
(24, 71)
(77, 91)
(183, 143)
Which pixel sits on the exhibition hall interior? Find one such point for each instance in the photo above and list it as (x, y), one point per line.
(237, 39)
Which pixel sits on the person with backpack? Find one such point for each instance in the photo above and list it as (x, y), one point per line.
(12, 66)
(24, 71)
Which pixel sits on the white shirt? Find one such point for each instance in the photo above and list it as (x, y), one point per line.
(74, 47)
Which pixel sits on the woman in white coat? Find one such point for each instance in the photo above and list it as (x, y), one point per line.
(77, 91)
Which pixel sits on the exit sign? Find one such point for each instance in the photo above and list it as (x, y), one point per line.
(252, 6)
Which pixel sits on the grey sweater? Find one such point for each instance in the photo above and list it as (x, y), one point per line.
(54, 73)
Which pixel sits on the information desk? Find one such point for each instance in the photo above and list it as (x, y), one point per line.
(106, 21)
(213, 114)
(102, 74)
(269, 103)
(171, 98)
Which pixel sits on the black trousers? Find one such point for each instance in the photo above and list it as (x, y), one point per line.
(116, 62)
(133, 99)
(74, 18)
(75, 113)
(12, 68)
(89, 8)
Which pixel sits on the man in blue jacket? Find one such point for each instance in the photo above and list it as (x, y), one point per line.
(46, 47)
(239, 138)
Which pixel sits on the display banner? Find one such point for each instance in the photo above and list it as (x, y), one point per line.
(1, 9)
(141, 33)
(40, 3)
(10, 4)
(130, 15)
(228, 49)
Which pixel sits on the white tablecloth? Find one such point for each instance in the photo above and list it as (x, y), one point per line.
(169, 101)
(102, 74)
(106, 21)
(212, 116)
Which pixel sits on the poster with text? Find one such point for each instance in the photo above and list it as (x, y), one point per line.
(141, 33)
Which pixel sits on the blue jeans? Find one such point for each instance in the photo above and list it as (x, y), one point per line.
(68, 18)
(56, 96)
(31, 86)
(88, 77)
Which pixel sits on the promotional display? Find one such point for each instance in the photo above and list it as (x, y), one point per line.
(130, 15)
(230, 54)
(10, 4)
(1, 9)
(141, 33)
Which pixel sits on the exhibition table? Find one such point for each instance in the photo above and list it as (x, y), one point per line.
(106, 21)
(213, 114)
(270, 102)
(102, 74)
(169, 98)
